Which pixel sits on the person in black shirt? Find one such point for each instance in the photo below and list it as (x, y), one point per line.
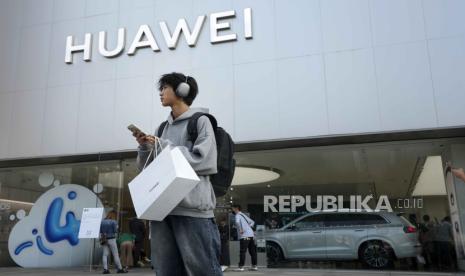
(137, 227)
(223, 228)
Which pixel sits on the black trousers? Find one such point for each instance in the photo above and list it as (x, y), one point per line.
(224, 257)
(444, 253)
(137, 250)
(247, 243)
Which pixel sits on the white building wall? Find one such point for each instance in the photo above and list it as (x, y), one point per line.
(313, 68)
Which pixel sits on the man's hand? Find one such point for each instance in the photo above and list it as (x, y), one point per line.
(142, 138)
(151, 139)
(459, 173)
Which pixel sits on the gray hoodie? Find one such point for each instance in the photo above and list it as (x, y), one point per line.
(201, 155)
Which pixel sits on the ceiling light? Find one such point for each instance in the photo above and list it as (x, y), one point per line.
(431, 180)
(253, 175)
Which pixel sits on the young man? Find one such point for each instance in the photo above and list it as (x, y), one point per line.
(187, 241)
(246, 237)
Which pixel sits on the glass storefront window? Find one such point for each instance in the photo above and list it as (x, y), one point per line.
(99, 185)
(409, 175)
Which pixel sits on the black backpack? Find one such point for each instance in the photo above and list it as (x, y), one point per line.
(221, 181)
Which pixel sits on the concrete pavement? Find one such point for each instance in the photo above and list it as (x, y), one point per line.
(264, 271)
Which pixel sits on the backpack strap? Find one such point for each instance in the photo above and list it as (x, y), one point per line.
(192, 125)
(161, 128)
(250, 222)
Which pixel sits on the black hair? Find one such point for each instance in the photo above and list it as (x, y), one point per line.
(236, 206)
(426, 218)
(174, 79)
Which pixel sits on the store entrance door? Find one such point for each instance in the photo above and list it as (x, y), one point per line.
(455, 220)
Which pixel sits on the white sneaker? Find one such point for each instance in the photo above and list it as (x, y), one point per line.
(224, 267)
(140, 263)
(240, 269)
(254, 268)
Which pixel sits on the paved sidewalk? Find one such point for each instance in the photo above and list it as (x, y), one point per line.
(263, 271)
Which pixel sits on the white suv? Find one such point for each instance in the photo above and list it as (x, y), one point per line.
(376, 239)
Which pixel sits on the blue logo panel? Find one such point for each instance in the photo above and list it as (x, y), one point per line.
(53, 231)
(49, 235)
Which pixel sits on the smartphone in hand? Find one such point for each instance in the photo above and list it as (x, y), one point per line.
(136, 131)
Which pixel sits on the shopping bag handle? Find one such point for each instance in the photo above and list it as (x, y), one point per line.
(151, 151)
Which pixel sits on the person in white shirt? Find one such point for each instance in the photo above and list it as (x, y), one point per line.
(246, 236)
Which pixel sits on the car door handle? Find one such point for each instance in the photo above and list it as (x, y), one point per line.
(316, 232)
(359, 230)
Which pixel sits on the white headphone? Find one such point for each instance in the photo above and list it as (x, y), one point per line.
(183, 89)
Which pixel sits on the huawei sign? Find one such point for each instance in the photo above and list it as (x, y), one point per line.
(145, 37)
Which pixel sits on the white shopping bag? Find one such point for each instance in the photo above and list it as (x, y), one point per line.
(161, 186)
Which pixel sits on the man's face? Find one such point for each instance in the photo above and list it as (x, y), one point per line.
(168, 96)
(235, 210)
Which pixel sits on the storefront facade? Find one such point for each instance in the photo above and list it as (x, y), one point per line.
(336, 97)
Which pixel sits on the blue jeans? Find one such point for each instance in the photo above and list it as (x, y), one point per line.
(185, 246)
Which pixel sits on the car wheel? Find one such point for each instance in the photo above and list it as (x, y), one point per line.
(274, 254)
(376, 254)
